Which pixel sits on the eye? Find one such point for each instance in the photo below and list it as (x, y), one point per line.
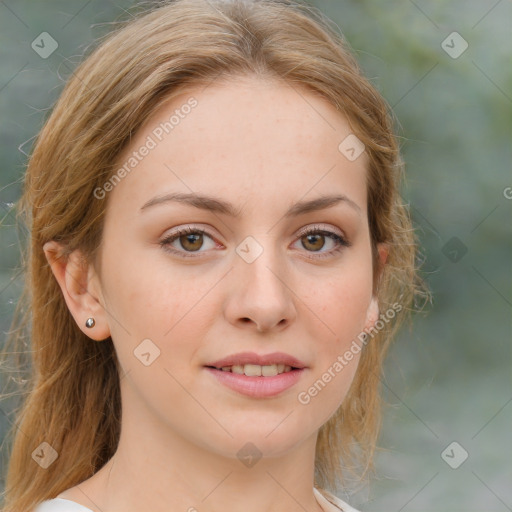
(191, 240)
(313, 239)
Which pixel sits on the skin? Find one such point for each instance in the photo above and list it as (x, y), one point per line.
(262, 146)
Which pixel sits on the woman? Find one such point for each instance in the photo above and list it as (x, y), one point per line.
(219, 258)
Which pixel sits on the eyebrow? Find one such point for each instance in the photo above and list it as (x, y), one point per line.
(214, 204)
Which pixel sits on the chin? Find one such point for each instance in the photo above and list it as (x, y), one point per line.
(266, 439)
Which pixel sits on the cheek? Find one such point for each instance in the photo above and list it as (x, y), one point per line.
(342, 301)
(343, 305)
(153, 301)
(151, 294)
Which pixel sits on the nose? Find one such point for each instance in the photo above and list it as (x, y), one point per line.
(261, 293)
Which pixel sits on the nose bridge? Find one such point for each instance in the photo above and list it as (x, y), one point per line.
(261, 291)
(261, 262)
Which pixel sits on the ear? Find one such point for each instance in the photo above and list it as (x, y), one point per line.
(80, 287)
(372, 313)
(383, 250)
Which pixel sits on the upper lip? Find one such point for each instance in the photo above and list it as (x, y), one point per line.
(243, 358)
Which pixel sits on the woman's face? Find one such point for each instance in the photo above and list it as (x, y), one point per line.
(186, 283)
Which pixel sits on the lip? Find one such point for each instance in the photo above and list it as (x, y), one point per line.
(257, 387)
(263, 360)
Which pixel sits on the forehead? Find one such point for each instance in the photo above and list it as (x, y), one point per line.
(246, 138)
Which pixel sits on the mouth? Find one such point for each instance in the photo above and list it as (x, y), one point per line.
(258, 375)
(256, 370)
(257, 365)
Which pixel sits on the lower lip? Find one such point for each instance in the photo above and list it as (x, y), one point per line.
(258, 387)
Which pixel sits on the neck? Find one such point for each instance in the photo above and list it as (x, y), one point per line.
(160, 470)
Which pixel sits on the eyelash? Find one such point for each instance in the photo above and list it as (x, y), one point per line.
(342, 243)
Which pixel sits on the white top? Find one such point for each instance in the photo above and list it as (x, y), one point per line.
(60, 505)
(326, 500)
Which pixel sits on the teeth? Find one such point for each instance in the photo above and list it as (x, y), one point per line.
(255, 370)
(269, 371)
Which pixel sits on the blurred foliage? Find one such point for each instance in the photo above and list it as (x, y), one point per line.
(448, 378)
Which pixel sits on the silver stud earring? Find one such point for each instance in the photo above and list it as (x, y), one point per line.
(90, 322)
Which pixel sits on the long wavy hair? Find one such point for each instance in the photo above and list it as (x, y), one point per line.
(70, 384)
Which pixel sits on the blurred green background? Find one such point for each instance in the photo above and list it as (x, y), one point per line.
(449, 378)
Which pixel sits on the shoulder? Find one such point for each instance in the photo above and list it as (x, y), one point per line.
(331, 503)
(60, 505)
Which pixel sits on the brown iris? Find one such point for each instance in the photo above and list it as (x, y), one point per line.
(313, 240)
(190, 241)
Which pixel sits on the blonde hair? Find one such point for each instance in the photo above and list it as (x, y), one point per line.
(72, 391)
